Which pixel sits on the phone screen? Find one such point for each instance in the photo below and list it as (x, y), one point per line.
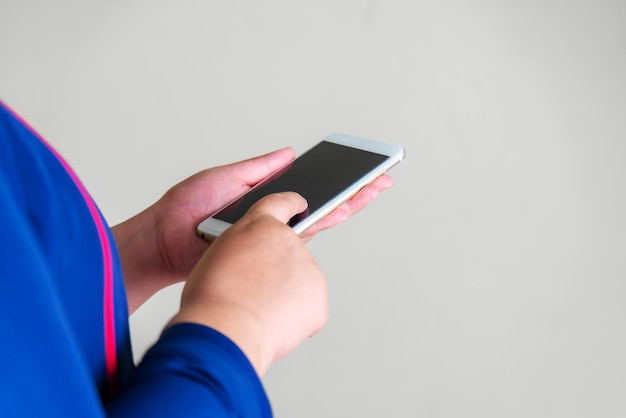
(317, 175)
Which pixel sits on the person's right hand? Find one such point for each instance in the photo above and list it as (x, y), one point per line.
(258, 284)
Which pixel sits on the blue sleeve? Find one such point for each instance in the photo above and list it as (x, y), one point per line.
(192, 371)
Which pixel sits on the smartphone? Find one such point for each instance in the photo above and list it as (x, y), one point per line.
(326, 175)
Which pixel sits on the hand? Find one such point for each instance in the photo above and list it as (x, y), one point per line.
(159, 246)
(258, 284)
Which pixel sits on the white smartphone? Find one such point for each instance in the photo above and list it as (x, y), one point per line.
(326, 176)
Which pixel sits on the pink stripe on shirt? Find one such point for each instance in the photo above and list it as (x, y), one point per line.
(110, 348)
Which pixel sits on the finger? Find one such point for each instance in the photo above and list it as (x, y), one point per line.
(282, 206)
(367, 194)
(256, 169)
(344, 211)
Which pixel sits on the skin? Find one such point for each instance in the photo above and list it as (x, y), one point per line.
(158, 247)
(279, 297)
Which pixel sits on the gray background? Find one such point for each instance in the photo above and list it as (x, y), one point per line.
(488, 283)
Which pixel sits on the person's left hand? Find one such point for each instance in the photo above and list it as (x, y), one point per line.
(159, 246)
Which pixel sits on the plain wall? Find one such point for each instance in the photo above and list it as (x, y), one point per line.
(489, 282)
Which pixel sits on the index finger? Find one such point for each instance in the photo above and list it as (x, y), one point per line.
(282, 206)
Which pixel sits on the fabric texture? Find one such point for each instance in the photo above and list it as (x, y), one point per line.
(65, 347)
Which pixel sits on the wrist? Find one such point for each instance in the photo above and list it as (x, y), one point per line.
(242, 327)
(136, 244)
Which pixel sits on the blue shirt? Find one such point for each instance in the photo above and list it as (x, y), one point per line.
(64, 337)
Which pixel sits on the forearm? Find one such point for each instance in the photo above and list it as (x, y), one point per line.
(192, 371)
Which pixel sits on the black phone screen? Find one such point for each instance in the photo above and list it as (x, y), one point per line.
(318, 175)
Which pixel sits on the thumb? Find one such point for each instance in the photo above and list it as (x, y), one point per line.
(256, 169)
(282, 206)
